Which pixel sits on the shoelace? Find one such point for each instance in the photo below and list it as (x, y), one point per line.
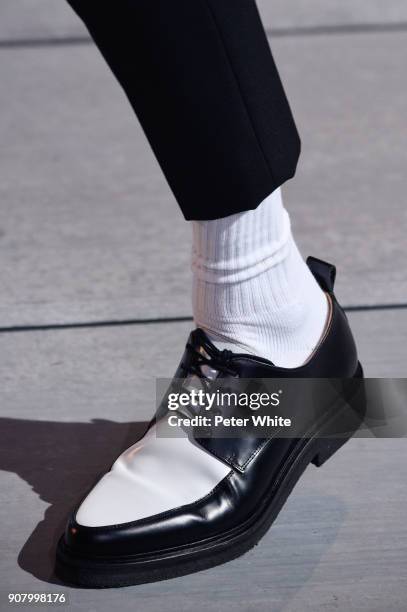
(192, 366)
(216, 360)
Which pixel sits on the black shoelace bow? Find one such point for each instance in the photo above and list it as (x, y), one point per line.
(199, 353)
(213, 358)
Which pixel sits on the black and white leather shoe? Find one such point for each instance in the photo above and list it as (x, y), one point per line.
(173, 506)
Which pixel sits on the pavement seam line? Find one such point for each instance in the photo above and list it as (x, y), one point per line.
(162, 320)
(283, 32)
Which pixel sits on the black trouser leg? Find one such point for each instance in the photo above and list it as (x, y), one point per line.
(202, 81)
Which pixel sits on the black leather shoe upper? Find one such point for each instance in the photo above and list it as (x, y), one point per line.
(255, 463)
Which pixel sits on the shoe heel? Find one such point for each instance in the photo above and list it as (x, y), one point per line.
(348, 423)
(328, 449)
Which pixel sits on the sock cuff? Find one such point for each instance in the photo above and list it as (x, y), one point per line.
(241, 246)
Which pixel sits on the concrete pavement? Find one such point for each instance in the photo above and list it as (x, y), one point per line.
(84, 238)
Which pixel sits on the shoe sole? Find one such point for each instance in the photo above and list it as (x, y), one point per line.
(153, 567)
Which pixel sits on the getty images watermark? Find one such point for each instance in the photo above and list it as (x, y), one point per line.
(281, 407)
(200, 400)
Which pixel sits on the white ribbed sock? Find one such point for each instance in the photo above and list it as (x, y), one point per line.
(252, 291)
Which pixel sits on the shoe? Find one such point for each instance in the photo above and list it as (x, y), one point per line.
(173, 506)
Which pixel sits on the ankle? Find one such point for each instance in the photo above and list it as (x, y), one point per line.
(252, 288)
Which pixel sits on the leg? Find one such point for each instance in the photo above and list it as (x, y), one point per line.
(201, 79)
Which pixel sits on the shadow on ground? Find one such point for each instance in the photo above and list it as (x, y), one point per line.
(61, 462)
